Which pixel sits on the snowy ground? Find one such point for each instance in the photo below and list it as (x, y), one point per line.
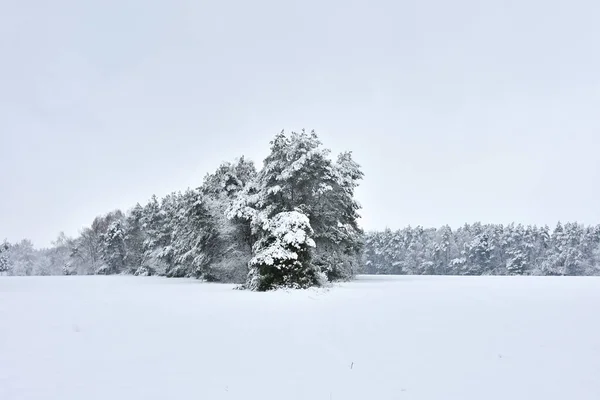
(126, 338)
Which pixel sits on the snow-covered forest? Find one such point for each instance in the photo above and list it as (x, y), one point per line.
(293, 223)
(477, 249)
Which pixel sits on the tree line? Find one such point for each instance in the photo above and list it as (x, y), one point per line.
(293, 223)
(478, 249)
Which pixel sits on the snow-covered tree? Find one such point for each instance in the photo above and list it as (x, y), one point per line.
(230, 245)
(88, 250)
(23, 258)
(442, 250)
(113, 250)
(134, 237)
(229, 179)
(158, 224)
(595, 270)
(478, 254)
(192, 236)
(282, 257)
(516, 263)
(58, 255)
(4, 259)
(298, 176)
(334, 218)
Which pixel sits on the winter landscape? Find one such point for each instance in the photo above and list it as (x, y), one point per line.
(252, 286)
(299, 200)
(294, 223)
(261, 284)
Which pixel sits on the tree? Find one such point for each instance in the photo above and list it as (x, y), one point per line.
(282, 255)
(442, 250)
(88, 251)
(338, 238)
(113, 249)
(157, 222)
(298, 176)
(4, 260)
(192, 236)
(58, 255)
(517, 262)
(85, 253)
(516, 249)
(23, 258)
(134, 237)
(229, 179)
(596, 261)
(229, 246)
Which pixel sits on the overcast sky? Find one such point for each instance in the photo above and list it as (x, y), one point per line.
(458, 111)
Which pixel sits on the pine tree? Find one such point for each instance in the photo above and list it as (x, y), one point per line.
(157, 221)
(339, 239)
(442, 250)
(192, 237)
(134, 237)
(596, 261)
(283, 255)
(298, 177)
(285, 184)
(87, 251)
(514, 250)
(229, 179)
(517, 262)
(4, 259)
(230, 245)
(394, 253)
(113, 252)
(479, 253)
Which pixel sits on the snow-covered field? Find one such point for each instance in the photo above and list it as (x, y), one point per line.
(464, 338)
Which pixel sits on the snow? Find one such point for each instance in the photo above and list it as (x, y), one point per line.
(291, 228)
(272, 253)
(466, 338)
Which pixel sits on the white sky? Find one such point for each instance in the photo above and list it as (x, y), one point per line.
(458, 111)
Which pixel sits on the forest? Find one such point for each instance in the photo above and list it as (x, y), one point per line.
(478, 249)
(293, 223)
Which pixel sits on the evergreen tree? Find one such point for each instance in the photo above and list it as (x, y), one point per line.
(192, 236)
(134, 237)
(339, 239)
(298, 177)
(158, 224)
(283, 255)
(595, 261)
(479, 253)
(229, 179)
(4, 259)
(230, 245)
(517, 262)
(113, 253)
(442, 251)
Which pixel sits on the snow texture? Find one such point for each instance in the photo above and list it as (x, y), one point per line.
(463, 338)
(290, 231)
(291, 228)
